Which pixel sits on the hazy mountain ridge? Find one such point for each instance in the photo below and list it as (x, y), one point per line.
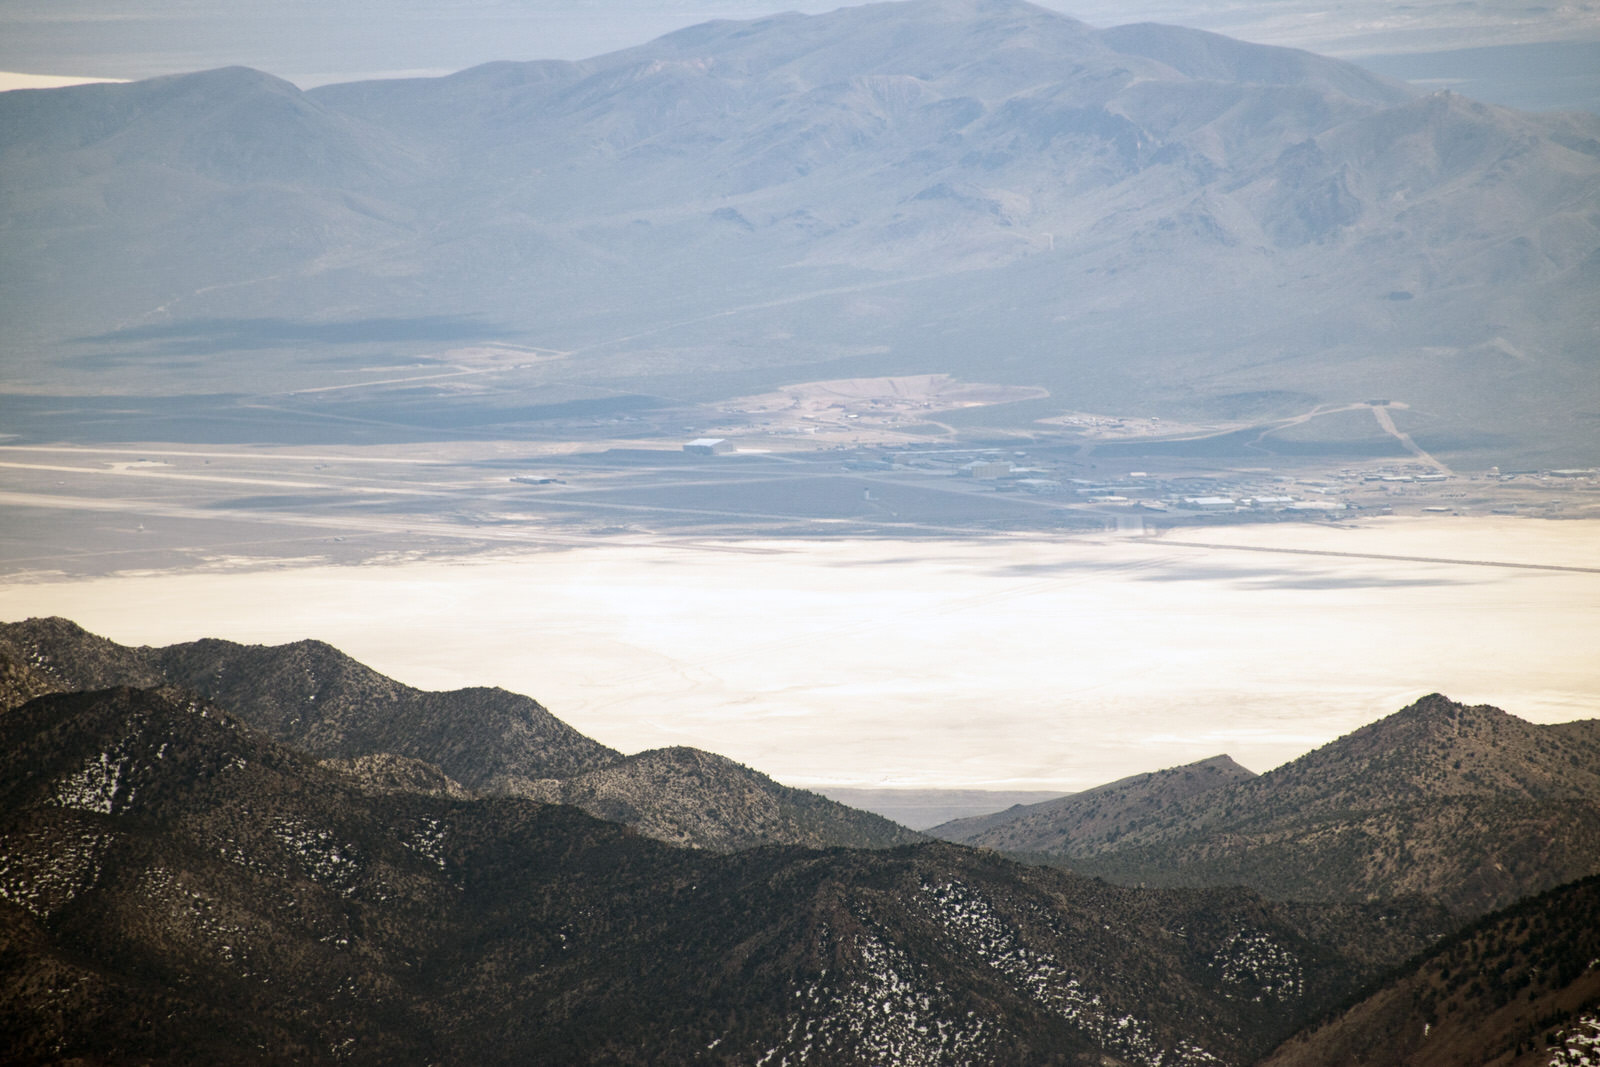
(312, 696)
(1141, 216)
(1467, 805)
(161, 856)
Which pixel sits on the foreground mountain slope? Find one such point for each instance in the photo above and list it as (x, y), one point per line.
(162, 860)
(1136, 219)
(1467, 805)
(312, 696)
(1520, 987)
(21, 681)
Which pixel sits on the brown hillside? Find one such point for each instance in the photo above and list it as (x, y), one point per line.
(687, 796)
(162, 861)
(1470, 806)
(395, 738)
(1520, 988)
(1096, 816)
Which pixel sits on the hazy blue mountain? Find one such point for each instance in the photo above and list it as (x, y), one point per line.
(1144, 219)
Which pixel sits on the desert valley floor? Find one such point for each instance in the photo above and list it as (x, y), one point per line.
(1005, 663)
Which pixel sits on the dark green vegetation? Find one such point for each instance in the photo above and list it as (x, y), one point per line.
(1469, 806)
(315, 698)
(1141, 221)
(178, 887)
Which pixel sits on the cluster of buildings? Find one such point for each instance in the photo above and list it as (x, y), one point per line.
(1135, 490)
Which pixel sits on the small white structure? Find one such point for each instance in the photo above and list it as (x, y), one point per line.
(709, 446)
(987, 469)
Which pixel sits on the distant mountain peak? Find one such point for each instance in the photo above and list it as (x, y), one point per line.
(1142, 163)
(1224, 763)
(1437, 705)
(223, 80)
(1435, 709)
(1446, 722)
(689, 796)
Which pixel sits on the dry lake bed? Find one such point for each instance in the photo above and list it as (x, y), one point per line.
(996, 662)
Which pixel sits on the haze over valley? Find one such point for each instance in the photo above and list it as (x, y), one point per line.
(466, 477)
(942, 271)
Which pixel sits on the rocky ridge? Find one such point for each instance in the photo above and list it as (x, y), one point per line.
(312, 696)
(687, 796)
(1102, 814)
(160, 859)
(1467, 805)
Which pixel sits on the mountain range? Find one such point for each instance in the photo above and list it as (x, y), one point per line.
(1103, 813)
(174, 883)
(315, 698)
(1469, 806)
(162, 856)
(1137, 220)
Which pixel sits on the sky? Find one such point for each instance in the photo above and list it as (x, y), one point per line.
(312, 42)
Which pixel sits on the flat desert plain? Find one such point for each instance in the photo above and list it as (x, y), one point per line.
(992, 662)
